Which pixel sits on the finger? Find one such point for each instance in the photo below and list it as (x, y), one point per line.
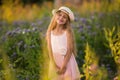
(59, 71)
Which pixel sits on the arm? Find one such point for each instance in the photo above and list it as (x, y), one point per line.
(68, 54)
(69, 51)
(48, 38)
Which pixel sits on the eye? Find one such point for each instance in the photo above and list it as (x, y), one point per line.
(59, 14)
(65, 17)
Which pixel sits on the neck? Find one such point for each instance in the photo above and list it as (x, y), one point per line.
(59, 27)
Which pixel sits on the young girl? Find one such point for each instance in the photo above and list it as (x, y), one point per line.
(61, 46)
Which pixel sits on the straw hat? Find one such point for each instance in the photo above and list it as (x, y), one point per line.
(65, 10)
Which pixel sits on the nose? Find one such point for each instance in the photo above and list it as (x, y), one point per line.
(61, 17)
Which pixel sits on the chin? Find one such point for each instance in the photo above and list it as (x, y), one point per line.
(60, 23)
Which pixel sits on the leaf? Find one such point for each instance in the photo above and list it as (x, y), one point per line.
(1, 60)
(18, 59)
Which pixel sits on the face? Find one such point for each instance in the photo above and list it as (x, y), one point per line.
(61, 18)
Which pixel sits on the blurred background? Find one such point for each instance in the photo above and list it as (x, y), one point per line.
(23, 51)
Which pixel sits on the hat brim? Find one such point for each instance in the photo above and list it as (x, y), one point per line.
(54, 11)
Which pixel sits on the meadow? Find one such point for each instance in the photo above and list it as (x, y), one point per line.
(23, 51)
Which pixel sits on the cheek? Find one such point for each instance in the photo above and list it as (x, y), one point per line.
(56, 18)
(65, 20)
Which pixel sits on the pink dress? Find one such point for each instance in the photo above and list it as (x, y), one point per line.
(59, 48)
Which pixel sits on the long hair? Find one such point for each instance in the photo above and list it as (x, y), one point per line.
(71, 38)
(52, 24)
(67, 26)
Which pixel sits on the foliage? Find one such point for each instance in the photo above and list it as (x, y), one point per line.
(90, 59)
(113, 38)
(22, 34)
(7, 72)
(23, 47)
(29, 12)
(91, 68)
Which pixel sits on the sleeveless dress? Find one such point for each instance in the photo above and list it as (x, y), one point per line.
(59, 49)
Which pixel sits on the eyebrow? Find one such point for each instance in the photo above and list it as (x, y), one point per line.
(64, 13)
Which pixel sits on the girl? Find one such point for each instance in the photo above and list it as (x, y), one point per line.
(61, 46)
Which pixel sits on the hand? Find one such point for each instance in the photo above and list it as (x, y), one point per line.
(56, 66)
(116, 78)
(62, 70)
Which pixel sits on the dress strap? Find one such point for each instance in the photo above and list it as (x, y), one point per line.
(64, 33)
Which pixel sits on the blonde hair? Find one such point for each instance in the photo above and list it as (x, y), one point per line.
(67, 26)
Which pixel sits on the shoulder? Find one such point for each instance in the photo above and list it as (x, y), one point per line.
(67, 33)
(48, 33)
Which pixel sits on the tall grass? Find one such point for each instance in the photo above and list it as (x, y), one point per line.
(23, 48)
(113, 38)
(91, 68)
(7, 71)
(11, 12)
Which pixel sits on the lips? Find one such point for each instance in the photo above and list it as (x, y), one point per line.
(60, 20)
